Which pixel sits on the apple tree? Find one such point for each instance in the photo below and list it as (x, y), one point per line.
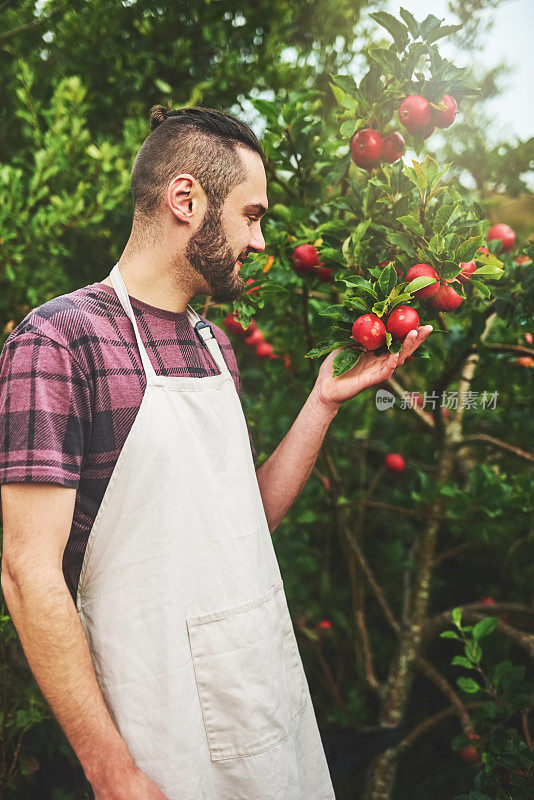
(367, 239)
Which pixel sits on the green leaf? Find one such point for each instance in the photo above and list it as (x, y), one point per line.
(467, 249)
(489, 271)
(438, 33)
(428, 24)
(387, 279)
(481, 287)
(410, 21)
(436, 244)
(348, 84)
(450, 635)
(421, 176)
(386, 59)
(412, 59)
(348, 128)
(270, 110)
(485, 627)
(346, 360)
(444, 215)
(412, 224)
(403, 241)
(398, 31)
(338, 312)
(379, 307)
(360, 284)
(457, 614)
(418, 283)
(401, 298)
(358, 303)
(331, 255)
(344, 99)
(461, 661)
(468, 685)
(322, 348)
(473, 650)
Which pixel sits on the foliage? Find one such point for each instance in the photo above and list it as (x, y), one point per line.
(506, 760)
(378, 555)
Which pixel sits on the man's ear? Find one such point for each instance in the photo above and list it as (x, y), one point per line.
(185, 198)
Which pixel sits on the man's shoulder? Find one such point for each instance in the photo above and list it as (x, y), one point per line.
(63, 319)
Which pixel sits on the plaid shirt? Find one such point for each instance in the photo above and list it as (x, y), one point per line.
(71, 384)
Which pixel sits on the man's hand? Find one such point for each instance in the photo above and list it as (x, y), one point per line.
(132, 785)
(369, 370)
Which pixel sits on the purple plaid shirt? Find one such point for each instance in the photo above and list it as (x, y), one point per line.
(71, 384)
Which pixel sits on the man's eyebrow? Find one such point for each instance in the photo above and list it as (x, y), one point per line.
(258, 208)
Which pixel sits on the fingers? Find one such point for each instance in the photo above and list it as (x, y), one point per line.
(412, 342)
(408, 346)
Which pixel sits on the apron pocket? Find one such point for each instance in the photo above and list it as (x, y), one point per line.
(249, 674)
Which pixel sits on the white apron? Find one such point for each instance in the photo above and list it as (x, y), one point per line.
(183, 605)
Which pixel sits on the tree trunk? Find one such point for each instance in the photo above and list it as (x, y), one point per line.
(382, 772)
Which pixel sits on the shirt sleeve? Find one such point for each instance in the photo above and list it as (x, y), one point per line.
(45, 412)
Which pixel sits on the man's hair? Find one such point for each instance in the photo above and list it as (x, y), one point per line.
(201, 141)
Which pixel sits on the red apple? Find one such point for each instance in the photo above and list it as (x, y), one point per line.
(505, 234)
(423, 271)
(487, 601)
(522, 260)
(525, 361)
(305, 259)
(234, 326)
(264, 350)
(394, 462)
(442, 119)
(415, 113)
(366, 148)
(468, 267)
(445, 299)
(369, 330)
(401, 321)
(528, 338)
(470, 753)
(324, 274)
(428, 130)
(393, 147)
(324, 625)
(255, 338)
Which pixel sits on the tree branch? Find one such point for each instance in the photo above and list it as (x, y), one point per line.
(373, 583)
(30, 25)
(510, 448)
(434, 676)
(428, 723)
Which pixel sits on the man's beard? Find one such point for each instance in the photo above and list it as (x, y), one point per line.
(208, 253)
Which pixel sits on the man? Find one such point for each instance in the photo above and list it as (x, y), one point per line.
(138, 562)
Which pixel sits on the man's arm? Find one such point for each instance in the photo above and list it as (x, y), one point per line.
(285, 473)
(37, 520)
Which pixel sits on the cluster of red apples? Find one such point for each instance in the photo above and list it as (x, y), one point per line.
(368, 148)
(253, 336)
(306, 262)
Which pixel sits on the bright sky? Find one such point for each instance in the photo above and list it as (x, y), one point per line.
(510, 40)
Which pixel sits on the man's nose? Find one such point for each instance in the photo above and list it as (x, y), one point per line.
(257, 241)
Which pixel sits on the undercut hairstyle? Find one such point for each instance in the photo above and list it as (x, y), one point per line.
(203, 142)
